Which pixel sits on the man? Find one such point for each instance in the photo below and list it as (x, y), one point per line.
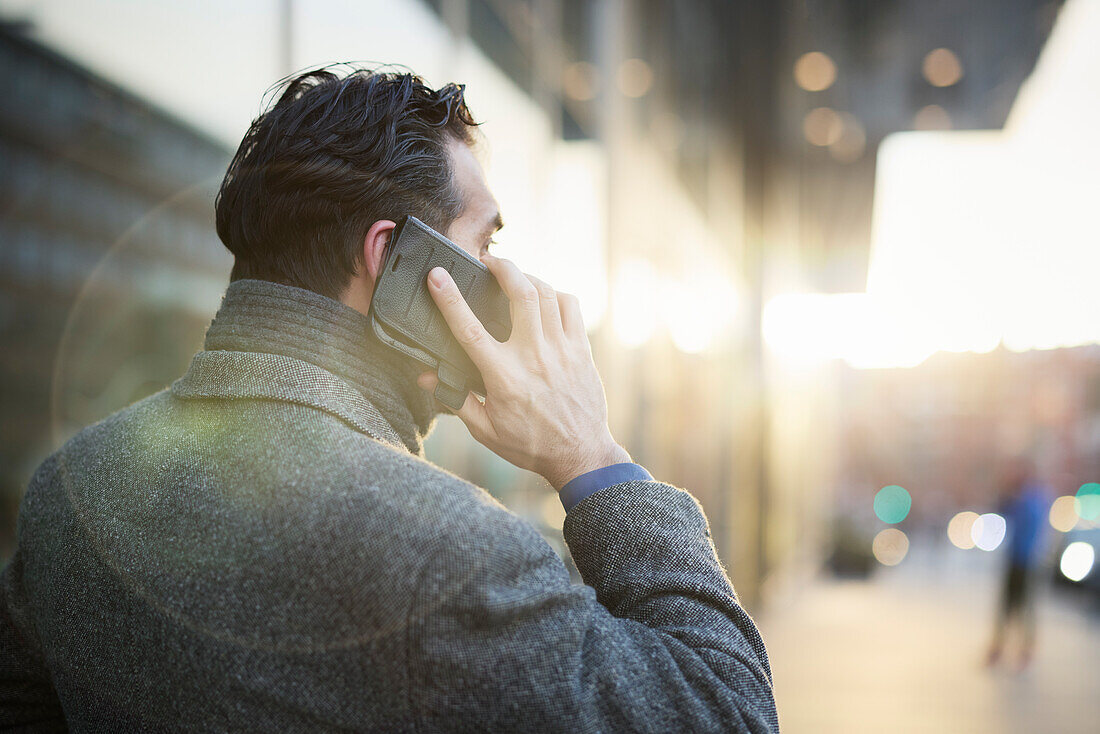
(262, 546)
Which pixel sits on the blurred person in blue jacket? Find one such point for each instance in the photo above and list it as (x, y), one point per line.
(1024, 505)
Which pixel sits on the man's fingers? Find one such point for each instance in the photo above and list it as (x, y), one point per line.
(548, 305)
(472, 412)
(476, 418)
(571, 319)
(522, 294)
(465, 326)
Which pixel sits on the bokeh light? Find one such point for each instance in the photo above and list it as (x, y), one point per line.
(1077, 560)
(960, 528)
(580, 81)
(890, 546)
(932, 117)
(1063, 513)
(1088, 501)
(635, 77)
(849, 147)
(988, 531)
(822, 126)
(814, 71)
(942, 68)
(892, 504)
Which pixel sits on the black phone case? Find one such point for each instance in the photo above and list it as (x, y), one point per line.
(404, 316)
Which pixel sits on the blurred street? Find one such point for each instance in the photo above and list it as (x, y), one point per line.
(904, 651)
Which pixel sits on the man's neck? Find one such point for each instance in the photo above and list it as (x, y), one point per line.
(357, 295)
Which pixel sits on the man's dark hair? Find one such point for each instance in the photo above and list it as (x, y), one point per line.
(331, 157)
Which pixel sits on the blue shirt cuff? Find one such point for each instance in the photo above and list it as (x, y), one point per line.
(589, 483)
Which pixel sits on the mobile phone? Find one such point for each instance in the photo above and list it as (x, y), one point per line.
(404, 316)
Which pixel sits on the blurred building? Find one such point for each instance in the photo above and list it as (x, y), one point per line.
(109, 263)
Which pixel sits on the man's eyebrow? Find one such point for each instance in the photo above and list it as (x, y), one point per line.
(494, 225)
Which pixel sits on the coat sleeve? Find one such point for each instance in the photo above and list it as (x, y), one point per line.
(654, 641)
(28, 701)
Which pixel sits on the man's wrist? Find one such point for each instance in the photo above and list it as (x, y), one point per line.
(606, 454)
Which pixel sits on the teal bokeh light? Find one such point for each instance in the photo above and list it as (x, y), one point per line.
(892, 504)
(1088, 501)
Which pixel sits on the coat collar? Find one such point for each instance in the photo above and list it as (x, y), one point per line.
(277, 341)
(251, 375)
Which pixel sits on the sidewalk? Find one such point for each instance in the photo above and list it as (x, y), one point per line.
(903, 652)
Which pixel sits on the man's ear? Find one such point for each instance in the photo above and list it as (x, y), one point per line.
(374, 246)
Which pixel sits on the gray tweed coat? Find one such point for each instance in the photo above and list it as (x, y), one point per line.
(261, 548)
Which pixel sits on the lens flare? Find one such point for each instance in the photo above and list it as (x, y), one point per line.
(959, 529)
(890, 547)
(892, 504)
(1077, 560)
(989, 531)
